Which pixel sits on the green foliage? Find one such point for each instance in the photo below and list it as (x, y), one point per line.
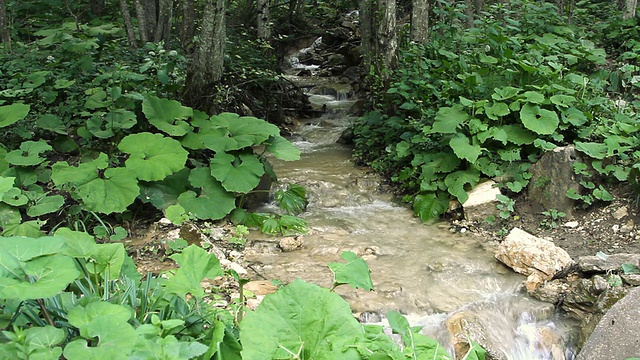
(505, 206)
(355, 272)
(487, 101)
(552, 218)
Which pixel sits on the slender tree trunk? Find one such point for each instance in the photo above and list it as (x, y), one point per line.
(208, 60)
(629, 9)
(5, 32)
(151, 17)
(420, 21)
(97, 7)
(163, 26)
(468, 11)
(128, 26)
(263, 25)
(479, 7)
(378, 34)
(188, 26)
(387, 38)
(142, 21)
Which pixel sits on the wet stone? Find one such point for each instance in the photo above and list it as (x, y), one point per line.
(290, 243)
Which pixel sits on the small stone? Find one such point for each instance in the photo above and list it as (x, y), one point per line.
(165, 221)
(290, 243)
(627, 228)
(615, 228)
(600, 284)
(631, 279)
(571, 224)
(261, 287)
(620, 213)
(463, 230)
(253, 303)
(238, 268)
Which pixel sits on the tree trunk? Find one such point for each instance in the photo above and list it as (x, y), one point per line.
(629, 9)
(420, 21)
(468, 11)
(208, 60)
(479, 7)
(5, 32)
(187, 27)
(263, 25)
(128, 26)
(387, 43)
(378, 34)
(151, 17)
(142, 21)
(97, 7)
(163, 26)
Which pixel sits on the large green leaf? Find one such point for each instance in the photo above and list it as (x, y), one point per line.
(107, 322)
(168, 348)
(518, 135)
(463, 149)
(45, 205)
(594, 150)
(195, 265)
(10, 114)
(496, 110)
(78, 244)
(110, 192)
(34, 268)
(457, 181)
(105, 125)
(153, 157)
(108, 257)
(29, 153)
(416, 345)
(302, 319)
(282, 148)
(355, 272)
(430, 206)
(167, 115)
(540, 121)
(214, 202)
(163, 194)
(239, 173)
(242, 131)
(6, 184)
(448, 119)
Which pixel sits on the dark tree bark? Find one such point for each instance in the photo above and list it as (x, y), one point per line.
(142, 21)
(207, 65)
(468, 11)
(5, 32)
(188, 24)
(163, 26)
(97, 7)
(379, 38)
(420, 21)
(263, 25)
(128, 25)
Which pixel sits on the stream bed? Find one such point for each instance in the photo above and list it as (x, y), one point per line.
(439, 279)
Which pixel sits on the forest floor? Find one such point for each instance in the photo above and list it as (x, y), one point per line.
(611, 228)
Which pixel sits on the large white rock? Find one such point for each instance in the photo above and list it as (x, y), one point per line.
(482, 202)
(532, 256)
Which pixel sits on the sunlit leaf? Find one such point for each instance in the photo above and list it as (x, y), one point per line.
(540, 121)
(153, 156)
(167, 115)
(28, 154)
(195, 265)
(457, 181)
(354, 272)
(239, 173)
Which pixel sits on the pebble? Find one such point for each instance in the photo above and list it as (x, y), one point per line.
(238, 268)
(290, 243)
(620, 213)
(615, 228)
(571, 224)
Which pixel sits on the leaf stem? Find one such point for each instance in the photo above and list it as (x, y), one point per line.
(45, 312)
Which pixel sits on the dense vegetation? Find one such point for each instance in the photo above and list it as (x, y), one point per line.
(100, 126)
(486, 101)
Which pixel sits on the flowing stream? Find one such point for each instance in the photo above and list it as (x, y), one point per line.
(430, 274)
(423, 271)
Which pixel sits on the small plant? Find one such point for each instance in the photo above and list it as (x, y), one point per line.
(240, 236)
(176, 245)
(506, 206)
(552, 216)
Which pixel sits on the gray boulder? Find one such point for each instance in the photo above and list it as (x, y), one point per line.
(610, 263)
(552, 176)
(616, 335)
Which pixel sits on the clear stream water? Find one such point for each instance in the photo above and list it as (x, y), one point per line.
(424, 271)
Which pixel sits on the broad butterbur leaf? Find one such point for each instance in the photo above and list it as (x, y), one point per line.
(456, 182)
(594, 150)
(464, 150)
(45, 205)
(167, 115)
(195, 265)
(28, 154)
(239, 173)
(430, 206)
(496, 110)
(105, 125)
(52, 123)
(109, 324)
(294, 321)
(153, 157)
(282, 148)
(354, 272)
(108, 257)
(416, 344)
(540, 121)
(448, 119)
(293, 200)
(242, 132)
(214, 202)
